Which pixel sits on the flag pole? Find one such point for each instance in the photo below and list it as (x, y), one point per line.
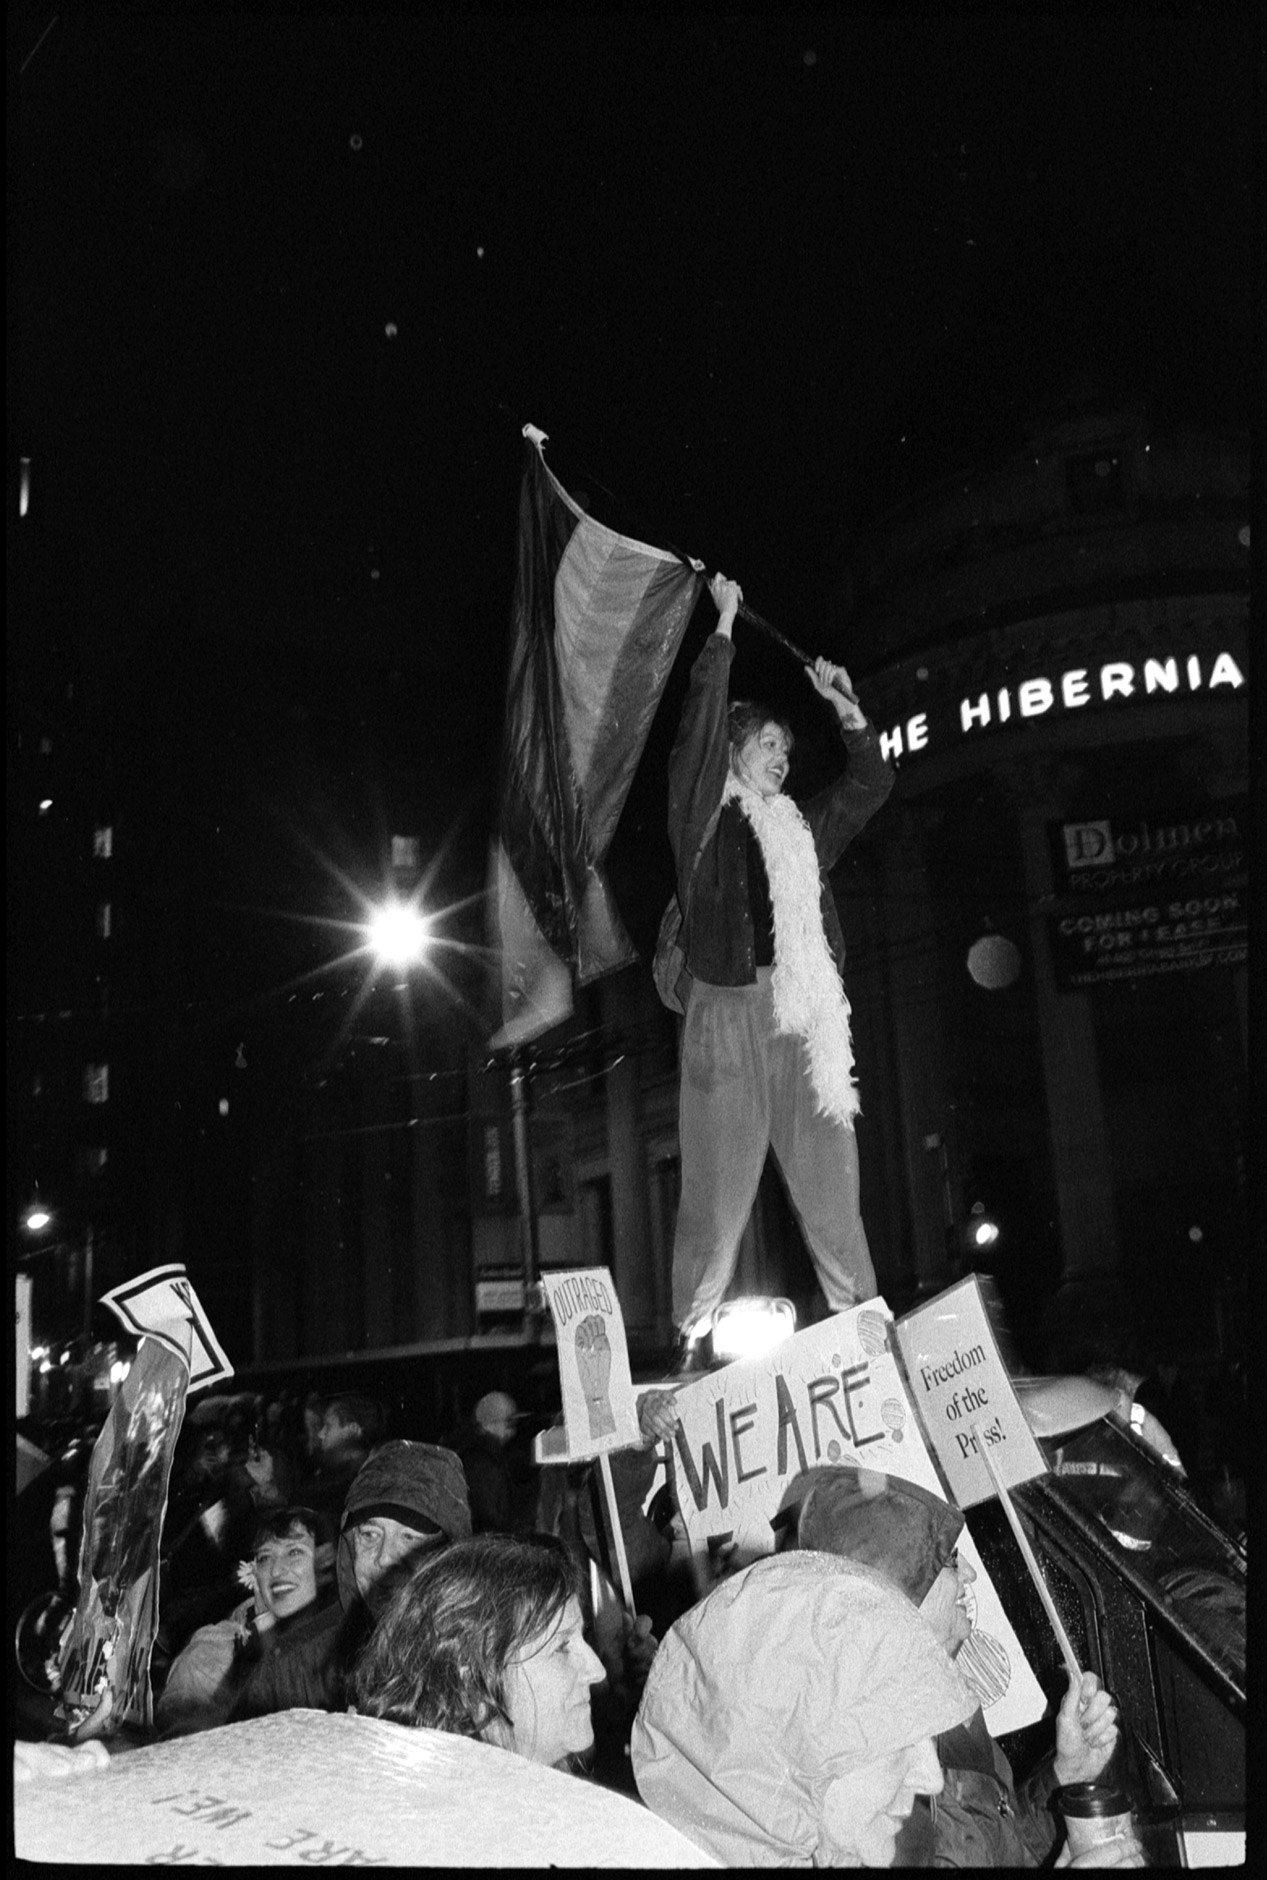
(538, 437)
(524, 1191)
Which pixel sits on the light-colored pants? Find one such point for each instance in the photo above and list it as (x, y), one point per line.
(745, 1089)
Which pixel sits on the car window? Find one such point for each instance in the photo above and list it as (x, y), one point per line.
(1191, 1568)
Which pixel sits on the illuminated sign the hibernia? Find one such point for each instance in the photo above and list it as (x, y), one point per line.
(1070, 691)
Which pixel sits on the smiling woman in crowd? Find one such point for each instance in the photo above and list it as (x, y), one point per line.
(486, 1640)
(291, 1571)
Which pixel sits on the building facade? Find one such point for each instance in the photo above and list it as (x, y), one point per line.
(1055, 647)
(1046, 937)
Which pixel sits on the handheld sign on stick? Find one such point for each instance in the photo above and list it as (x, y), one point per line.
(1031, 1561)
(961, 1388)
(599, 1410)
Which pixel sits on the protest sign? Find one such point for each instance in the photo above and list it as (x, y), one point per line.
(599, 1412)
(162, 1304)
(958, 1379)
(831, 1394)
(105, 1655)
(303, 1788)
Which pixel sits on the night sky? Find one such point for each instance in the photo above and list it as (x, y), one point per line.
(284, 290)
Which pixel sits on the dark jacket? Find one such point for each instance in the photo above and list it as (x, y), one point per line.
(717, 930)
(490, 1479)
(302, 1666)
(980, 1819)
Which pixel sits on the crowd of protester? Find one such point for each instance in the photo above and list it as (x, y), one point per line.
(805, 1710)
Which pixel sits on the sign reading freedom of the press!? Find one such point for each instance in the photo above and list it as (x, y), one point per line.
(958, 1380)
(831, 1394)
(599, 1409)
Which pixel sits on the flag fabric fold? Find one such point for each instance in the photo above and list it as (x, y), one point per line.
(597, 621)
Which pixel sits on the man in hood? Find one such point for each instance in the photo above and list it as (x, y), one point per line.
(408, 1499)
(789, 1717)
(980, 1819)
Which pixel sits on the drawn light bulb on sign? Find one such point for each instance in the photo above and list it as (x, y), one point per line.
(893, 1416)
(873, 1333)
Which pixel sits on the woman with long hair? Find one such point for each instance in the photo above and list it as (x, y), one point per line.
(485, 1639)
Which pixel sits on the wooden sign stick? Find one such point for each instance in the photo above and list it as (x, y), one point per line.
(613, 1515)
(1031, 1560)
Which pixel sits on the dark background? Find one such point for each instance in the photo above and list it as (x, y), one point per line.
(755, 278)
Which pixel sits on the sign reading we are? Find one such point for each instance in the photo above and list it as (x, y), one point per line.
(832, 1394)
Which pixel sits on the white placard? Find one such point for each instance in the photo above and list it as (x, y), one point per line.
(599, 1410)
(162, 1304)
(958, 1380)
(832, 1394)
(305, 1789)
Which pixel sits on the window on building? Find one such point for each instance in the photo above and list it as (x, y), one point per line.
(96, 1083)
(103, 842)
(93, 1160)
(103, 919)
(405, 852)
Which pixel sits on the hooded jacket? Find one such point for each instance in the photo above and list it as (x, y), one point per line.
(419, 1484)
(798, 1670)
(980, 1819)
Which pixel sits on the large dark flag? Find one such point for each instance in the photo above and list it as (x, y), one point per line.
(596, 626)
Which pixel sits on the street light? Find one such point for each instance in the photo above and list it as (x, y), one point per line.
(36, 1219)
(398, 934)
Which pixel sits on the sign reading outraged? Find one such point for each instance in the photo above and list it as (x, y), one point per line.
(964, 1395)
(599, 1410)
(832, 1394)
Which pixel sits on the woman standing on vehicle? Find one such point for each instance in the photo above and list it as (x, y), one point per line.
(767, 1058)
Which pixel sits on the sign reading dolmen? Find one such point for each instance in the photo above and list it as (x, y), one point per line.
(599, 1410)
(959, 1383)
(832, 1394)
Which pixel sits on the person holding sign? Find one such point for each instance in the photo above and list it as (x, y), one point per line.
(789, 1717)
(487, 1640)
(767, 1058)
(980, 1818)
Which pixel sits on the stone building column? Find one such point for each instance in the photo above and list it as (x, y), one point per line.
(912, 1086)
(1081, 1165)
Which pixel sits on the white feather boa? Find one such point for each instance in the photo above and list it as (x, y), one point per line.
(808, 996)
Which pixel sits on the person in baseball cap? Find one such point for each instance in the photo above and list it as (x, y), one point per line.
(879, 1520)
